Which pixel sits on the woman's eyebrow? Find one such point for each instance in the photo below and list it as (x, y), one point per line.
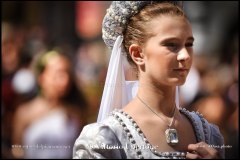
(176, 38)
(191, 39)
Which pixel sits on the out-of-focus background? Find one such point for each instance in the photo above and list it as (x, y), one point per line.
(54, 65)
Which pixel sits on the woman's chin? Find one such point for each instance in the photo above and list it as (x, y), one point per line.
(179, 82)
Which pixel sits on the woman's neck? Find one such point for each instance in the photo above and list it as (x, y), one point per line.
(51, 101)
(160, 98)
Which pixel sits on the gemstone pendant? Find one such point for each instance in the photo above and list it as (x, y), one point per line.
(171, 136)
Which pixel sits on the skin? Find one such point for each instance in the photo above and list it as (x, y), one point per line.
(163, 63)
(55, 79)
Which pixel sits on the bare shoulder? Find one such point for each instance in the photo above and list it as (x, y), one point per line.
(28, 110)
(133, 109)
(30, 105)
(129, 107)
(23, 117)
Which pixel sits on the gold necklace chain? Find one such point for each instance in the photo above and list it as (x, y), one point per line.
(156, 113)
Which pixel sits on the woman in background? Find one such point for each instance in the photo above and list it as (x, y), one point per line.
(47, 126)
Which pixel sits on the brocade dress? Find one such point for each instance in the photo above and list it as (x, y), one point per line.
(119, 137)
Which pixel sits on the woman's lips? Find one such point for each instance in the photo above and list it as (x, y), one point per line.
(181, 71)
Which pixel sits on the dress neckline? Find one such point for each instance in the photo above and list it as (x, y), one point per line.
(151, 147)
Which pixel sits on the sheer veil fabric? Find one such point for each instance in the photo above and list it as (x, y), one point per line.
(114, 92)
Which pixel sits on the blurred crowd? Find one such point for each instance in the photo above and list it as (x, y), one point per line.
(54, 65)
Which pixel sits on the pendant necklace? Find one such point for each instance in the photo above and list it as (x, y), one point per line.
(170, 133)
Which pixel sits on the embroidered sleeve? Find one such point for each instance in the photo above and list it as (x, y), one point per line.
(97, 141)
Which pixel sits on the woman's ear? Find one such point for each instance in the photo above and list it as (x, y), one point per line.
(136, 54)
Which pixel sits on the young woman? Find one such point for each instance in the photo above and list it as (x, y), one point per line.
(45, 127)
(157, 38)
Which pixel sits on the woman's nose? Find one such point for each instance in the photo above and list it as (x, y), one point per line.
(183, 55)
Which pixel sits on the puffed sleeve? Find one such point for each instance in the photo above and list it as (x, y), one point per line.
(97, 141)
(217, 140)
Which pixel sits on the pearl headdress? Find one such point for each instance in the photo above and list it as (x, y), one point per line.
(117, 16)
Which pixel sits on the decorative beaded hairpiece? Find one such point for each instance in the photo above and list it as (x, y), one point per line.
(117, 17)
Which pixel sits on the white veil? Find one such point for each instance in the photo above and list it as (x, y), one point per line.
(114, 93)
(117, 91)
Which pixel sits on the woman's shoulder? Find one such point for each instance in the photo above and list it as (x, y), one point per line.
(116, 122)
(209, 129)
(108, 124)
(205, 130)
(98, 140)
(96, 129)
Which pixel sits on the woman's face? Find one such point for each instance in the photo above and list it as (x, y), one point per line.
(168, 54)
(55, 79)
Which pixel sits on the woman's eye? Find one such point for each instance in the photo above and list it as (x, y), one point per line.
(172, 46)
(189, 45)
